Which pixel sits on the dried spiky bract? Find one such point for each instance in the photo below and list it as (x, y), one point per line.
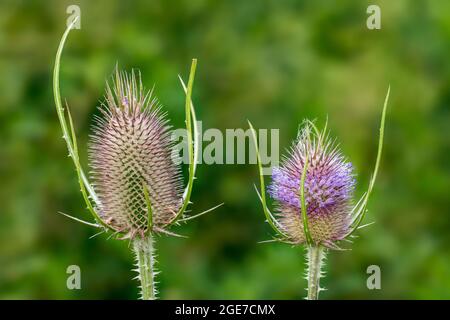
(131, 150)
(328, 189)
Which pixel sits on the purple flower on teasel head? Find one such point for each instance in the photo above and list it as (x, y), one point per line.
(328, 189)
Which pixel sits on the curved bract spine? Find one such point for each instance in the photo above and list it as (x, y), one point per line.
(192, 144)
(69, 136)
(360, 209)
(262, 195)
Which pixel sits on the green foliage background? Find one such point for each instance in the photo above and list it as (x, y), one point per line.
(274, 62)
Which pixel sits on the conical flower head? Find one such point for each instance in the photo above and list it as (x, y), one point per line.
(130, 156)
(328, 189)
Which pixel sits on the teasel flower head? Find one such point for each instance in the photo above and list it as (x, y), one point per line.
(313, 189)
(313, 192)
(137, 187)
(131, 159)
(328, 187)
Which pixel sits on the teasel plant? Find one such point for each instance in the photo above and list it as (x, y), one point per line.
(137, 190)
(313, 194)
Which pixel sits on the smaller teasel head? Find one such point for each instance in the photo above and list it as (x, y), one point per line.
(328, 185)
(137, 183)
(313, 189)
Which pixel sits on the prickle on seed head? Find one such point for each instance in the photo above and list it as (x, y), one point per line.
(130, 154)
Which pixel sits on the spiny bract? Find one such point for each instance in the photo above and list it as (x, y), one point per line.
(328, 189)
(130, 149)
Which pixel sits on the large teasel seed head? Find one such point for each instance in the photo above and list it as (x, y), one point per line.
(328, 189)
(130, 156)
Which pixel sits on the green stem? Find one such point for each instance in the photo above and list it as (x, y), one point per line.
(145, 263)
(315, 258)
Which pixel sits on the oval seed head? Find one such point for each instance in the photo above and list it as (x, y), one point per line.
(328, 189)
(131, 148)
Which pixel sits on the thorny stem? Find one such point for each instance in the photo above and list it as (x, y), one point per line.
(145, 263)
(315, 258)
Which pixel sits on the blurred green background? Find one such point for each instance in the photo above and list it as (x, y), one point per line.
(274, 62)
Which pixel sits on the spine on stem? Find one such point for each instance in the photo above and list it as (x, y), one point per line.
(145, 266)
(315, 257)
